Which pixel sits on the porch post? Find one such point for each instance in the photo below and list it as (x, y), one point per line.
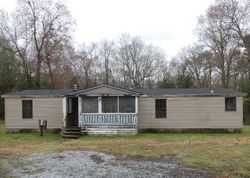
(99, 104)
(79, 110)
(118, 104)
(64, 111)
(136, 104)
(136, 111)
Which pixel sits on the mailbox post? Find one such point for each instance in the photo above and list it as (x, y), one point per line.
(42, 126)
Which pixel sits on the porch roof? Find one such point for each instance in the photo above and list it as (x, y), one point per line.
(98, 90)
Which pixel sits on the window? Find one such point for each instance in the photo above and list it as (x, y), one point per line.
(27, 109)
(160, 108)
(126, 104)
(230, 104)
(89, 104)
(109, 104)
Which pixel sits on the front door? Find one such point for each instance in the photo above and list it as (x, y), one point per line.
(72, 112)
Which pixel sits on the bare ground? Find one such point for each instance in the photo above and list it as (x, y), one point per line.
(94, 164)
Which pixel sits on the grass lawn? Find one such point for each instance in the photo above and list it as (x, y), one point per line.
(225, 153)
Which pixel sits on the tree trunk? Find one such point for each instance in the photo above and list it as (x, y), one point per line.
(51, 76)
(106, 72)
(86, 80)
(248, 67)
(210, 76)
(223, 78)
(38, 75)
(28, 79)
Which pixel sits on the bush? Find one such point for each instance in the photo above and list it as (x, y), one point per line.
(1, 108)
(246, 111)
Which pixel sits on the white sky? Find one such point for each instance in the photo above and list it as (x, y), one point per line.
(168, 24)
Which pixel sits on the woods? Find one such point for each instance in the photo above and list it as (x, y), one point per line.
(37, 51)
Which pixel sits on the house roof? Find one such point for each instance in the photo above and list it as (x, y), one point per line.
(61, 93)
(190, 91)
(37, 93)
(145, 91)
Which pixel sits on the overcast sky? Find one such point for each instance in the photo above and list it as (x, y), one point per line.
(168, 24)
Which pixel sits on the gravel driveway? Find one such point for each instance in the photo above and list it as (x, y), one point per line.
(93, 164)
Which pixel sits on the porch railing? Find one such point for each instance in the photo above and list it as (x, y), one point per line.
(108, 119)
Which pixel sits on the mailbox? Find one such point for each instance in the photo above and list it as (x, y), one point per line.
(43, 122)
(42, 126)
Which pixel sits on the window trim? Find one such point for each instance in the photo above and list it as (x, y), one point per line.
(157, 117)
(31, 109)
(235, 104)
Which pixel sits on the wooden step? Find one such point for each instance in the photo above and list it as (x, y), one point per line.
(71, 132)
(71, 136)
(71, 128)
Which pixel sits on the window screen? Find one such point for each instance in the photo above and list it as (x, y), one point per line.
(126, 104)
(109, 104)
(160, 108)
(89, 104)
(230, 104)
(27, 109)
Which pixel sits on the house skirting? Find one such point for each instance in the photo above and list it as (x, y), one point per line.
(109, 131)
(190, 130)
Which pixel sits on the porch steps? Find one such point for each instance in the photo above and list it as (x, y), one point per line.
(109, 131)
(71, 132)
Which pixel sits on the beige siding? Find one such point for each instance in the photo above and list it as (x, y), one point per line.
(47, 108)
(190, 112)
(182, 112)
(105, 90)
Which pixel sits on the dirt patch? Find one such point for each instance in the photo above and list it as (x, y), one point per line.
(59, 157)
(97, 159)
(79, 164)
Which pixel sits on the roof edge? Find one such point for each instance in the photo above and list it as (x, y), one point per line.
(205, 95)
(103, 85)
(32, 96)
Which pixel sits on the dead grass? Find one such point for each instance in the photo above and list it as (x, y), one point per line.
(228, 154)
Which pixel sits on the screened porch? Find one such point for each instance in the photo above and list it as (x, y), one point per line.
(108, 111)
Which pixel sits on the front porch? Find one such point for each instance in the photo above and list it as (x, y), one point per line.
(106, 112)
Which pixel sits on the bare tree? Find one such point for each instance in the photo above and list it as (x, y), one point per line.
(85, 65)
(216, 34)
(16, 31)
(165, 74)
(199, 63)
(137, 60)
(106, 57)
(36, 28)
(58, 64)
(237, 13)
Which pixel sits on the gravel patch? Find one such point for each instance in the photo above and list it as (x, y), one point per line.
(77, 164)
